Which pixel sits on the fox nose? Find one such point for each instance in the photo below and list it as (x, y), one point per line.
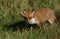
(28, 22)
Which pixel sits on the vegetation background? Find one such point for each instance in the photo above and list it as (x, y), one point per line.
(12, 25)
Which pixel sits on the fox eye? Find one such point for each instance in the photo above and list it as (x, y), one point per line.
(30, 18)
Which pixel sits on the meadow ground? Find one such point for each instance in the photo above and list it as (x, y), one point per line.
(12, 25)
(44, 32)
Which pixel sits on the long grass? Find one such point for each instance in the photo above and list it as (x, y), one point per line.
(44, 32)
(12, 25)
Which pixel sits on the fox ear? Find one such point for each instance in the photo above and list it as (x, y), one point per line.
(33, 12)
(23, 12)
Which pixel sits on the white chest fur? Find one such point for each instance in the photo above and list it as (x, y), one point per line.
(33, 21)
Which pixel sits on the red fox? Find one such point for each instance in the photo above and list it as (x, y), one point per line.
(39, 16)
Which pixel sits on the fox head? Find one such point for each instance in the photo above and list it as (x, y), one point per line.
(29, 17)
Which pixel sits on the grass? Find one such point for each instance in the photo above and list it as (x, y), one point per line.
(12, 25)
(44, 32)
